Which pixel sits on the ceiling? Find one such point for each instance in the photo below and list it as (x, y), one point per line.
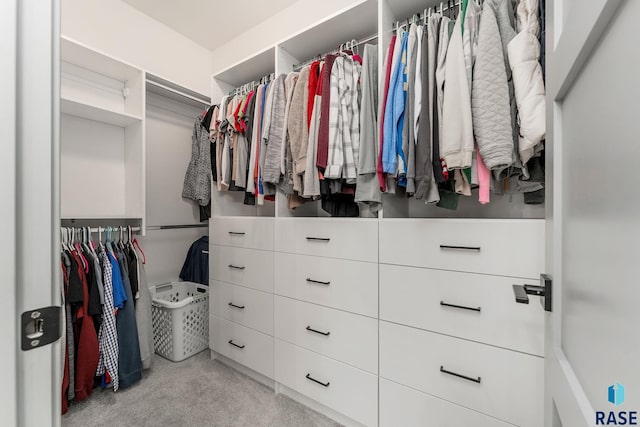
(210, 23)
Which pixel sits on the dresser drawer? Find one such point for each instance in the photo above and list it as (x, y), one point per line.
(244, 345)
(347, 390)
(341, 284)
(406, 407)
(477, 307)
(501, 383)
(245, 267)
(245, 306)
(501, 247)
(253, 233)
(350, 338)
(355, 239)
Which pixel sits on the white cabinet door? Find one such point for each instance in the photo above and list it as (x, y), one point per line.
(337, 283)
(501, 383)
(245, 306)
(343, 388)
(355, 239)
(593, 226)
(476, 307)
(29, 207)
(406, 407)
(348, 337)
(245, 267)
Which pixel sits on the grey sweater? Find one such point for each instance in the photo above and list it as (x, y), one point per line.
(273, 135)
(426, 186)
(367, 189)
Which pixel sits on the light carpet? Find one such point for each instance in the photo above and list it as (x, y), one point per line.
(196, 392)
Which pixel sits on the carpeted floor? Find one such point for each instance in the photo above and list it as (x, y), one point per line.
(196, 392)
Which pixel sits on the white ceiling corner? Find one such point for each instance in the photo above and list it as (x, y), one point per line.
(210, 23)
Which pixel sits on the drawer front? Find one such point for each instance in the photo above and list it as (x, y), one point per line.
(347, 390)
(477, 307)
(253, 309)
(501, 383)
(505, 248)
(252, 233)
(246, 346)
(245, 267)
(406, 407)
(349, 338)
(355, 239)
(345, 285)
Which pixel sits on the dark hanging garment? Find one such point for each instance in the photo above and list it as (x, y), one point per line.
(249, 198)
(206, 120)
(130, 365)
(87, 353)
(133, 272)
(196, 265)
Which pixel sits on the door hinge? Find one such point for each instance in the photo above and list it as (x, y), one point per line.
(41, 327)
(543, 290)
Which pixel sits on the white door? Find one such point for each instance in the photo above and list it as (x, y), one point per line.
(593, 93)
(29, 203)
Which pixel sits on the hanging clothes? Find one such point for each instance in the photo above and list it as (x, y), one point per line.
(108, 337)
(143, 308)
(197, 179)
(129, 362)
(368, 194)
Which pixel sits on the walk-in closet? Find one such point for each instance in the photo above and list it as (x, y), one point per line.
(372, 213)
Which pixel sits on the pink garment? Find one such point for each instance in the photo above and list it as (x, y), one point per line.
(484, 180)
(382, 181)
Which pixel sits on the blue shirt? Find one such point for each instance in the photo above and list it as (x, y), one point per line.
(119, 295)
(394, 112)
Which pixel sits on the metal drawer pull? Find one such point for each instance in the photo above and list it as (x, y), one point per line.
(241, 307)
(318, 239)
(236, 345)
(461, 248)
(236, 267)
(310, 329)
(310, 280)
(236, 233)
(464, 377)
(310, 378)
(462, 307)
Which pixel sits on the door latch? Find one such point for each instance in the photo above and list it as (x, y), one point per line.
(40, 327)
(544, 290)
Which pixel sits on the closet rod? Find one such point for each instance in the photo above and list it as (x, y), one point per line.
(442, 8)
(177, 92)
(300, 66)
(103, 229)
(174, 227)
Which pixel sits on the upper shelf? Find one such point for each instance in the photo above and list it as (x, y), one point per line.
(250, 69)
(357, 22)
(82, 56)
(95, 113)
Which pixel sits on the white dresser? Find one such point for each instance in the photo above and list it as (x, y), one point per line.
(241, 286)
(326, 308)
(455, 347)
(407, 322)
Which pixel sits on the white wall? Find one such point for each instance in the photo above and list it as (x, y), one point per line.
(117, 29)
(281, 26)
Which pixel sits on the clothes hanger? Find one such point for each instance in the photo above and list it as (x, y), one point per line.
(100, 238)
(90, 242)
(137, 244)
(108, 243)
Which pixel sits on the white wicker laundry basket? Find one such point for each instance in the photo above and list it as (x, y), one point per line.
(180, 319)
